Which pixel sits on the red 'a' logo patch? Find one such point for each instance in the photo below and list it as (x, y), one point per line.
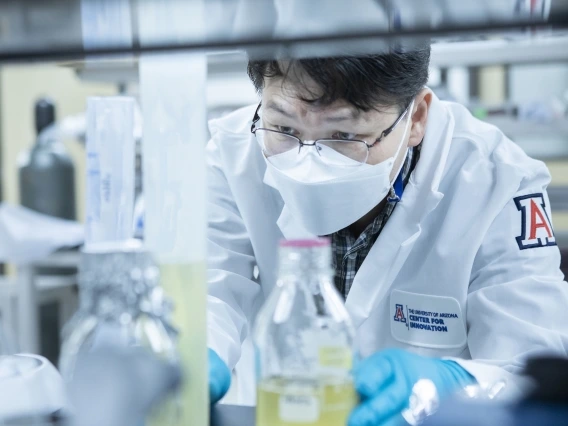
(536, 228)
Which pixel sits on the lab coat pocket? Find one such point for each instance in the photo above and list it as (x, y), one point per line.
(427, 321)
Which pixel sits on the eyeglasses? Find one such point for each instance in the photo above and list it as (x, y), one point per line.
(275, 142)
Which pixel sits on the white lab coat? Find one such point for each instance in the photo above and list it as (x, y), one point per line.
(454, 234)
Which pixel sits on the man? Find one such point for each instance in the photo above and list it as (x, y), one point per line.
(440, 226)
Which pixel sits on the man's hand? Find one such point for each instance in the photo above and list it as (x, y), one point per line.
(384, 382)
(219, 377)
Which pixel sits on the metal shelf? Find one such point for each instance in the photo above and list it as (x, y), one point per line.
(50, 30)
(125, 70)
(231, 64)
(60, 259)
(535, 50)
(54, 282)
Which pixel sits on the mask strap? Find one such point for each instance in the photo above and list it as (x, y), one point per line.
(396, 193)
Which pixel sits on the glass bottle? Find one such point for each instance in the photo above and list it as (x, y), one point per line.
(304, 342)
(121, 305)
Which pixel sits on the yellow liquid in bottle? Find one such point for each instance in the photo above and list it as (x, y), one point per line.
(185, 285)
(302, 402)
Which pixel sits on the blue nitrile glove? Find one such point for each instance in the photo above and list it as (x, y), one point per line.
(219, 377)
(384, 382)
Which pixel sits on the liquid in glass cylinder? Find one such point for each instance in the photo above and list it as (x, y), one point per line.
(185, 285)
(304, 402)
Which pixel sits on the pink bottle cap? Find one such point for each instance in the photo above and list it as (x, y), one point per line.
(306, 243)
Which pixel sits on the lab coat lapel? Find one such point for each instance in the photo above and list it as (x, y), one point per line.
(389, 253)
(383, 263)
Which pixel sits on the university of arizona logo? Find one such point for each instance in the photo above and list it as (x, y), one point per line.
(399, 314)
(536, 229)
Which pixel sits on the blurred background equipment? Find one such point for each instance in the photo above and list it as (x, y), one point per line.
(110, 169)
(29, 386)
(7, 342)
(34, 299)
(546, 403)
(121, 387)
(47, 175)
(121, 306)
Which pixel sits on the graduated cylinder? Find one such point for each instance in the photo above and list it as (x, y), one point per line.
(174, 112)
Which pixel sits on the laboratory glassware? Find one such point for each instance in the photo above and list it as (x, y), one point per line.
(304, 342)
(121, 305)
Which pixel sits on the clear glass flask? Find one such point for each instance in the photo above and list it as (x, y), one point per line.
(304, 342)
(121, 305)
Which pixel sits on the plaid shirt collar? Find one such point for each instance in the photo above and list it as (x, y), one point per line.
(350, 252)
(376, 226)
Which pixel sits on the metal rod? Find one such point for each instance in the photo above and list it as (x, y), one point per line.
(76, 52)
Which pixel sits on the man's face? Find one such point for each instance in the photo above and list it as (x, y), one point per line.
(283, 110)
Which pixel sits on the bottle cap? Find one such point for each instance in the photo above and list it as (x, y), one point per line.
(306, 243)
(44, 114)
(305, 254)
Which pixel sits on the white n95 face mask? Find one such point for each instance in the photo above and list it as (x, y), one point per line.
(328, 194)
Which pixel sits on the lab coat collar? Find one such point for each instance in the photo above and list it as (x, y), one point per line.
(435, 147)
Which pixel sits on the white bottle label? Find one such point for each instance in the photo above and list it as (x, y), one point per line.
(299, 408)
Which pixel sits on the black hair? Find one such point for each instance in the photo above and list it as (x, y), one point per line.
(366, 82)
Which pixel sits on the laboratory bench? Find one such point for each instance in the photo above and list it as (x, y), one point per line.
(460, 414)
